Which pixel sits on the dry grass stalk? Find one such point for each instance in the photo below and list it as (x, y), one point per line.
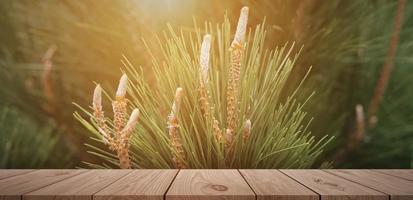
(203, 100)
(355, 136)
(204, 66)
(120, 104)
(236, 49)
(204, 58)
(100, 116)
(358, 135)
(387, 67)
(118, 139)
(247, 130)
(123, 141)
(229, 138)
(47, 79)
(178, 154)
(217, 131)
(124, 160)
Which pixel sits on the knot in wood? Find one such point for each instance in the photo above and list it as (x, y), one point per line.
(220, 188)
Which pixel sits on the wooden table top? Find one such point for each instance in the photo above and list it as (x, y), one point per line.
(192, 184)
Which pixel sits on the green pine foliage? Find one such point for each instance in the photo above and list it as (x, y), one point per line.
(279, 135)
(25, 144)
(392, 136)
(28, 138)
(344, 41)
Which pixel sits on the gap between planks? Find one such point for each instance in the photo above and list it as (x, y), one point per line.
(397, 188)
(12, 188)
(207, 184)
(329, 186)
(13, 172)
(272, 184)
(193, 184)
(400, 173)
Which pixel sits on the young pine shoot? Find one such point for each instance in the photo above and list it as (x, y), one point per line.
(228, 109)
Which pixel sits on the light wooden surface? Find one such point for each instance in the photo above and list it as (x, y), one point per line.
(332, 187)
(397, 188)
(401, 173)
(274, 185)
(209, 185)
(230, 184)
(13, 172)
(139, 185)
(14, 187)
(82, 186)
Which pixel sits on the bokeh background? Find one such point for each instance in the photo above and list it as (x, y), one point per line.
(361, 54)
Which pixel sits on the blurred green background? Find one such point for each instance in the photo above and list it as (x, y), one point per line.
(51, 51)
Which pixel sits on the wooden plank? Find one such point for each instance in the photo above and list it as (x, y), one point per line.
(332, 187)
(401, 173)
(274, 185)
(209, 185)
(397, 188)
(14, 187)
(6, 173)
(80, 187)
(139, 185)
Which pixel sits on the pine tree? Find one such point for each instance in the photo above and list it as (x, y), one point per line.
(224, 105)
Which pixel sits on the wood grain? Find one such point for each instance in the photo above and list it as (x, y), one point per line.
(206, 184)
(401, 173)
(209, 185)
(80, 187)
(139, 185)
(14, 187)
(6, 173)
(332, 187)
(274, 185)
(397, 188)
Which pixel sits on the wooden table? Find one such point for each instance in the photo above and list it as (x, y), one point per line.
(207, 184)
